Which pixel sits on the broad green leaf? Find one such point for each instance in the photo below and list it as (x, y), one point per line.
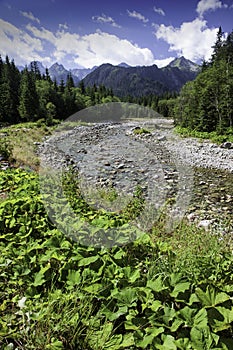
(201, 319)
(202, 338)
(221, 318)
(193, 299)
(176, 324)
(134, 276)
(169, 314)
(187, 314)
(112, 316)
(88, 261)
(128, 340)
(180, 288)
(39, 276)
(211, 297)
(176, 278)
(148, 339)
(93, 288)
(126, 297)
(73, 278)
(168, 343)
(156, 285)
(156, 305)
(183, 344)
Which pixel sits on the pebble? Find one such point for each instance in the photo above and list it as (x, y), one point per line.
(114, 154)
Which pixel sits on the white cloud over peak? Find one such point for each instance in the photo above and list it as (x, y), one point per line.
(93, 49)
(106, 19)
(209, 5)
(193, 39)
(159, 11)
(164, 62)
(138, 16)
(30, 16)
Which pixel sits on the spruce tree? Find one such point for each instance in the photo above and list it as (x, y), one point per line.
(28, 101)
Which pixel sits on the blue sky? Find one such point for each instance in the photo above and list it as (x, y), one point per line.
(79, 33)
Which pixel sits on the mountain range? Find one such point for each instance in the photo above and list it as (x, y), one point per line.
(143, 80)
(127, 80)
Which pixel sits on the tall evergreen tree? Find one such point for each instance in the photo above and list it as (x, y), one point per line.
(28, 101)
(9, 86)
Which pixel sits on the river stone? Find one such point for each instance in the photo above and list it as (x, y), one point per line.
(227, 145)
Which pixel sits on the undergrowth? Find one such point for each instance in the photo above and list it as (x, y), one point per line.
(162, 291)
(213, 136)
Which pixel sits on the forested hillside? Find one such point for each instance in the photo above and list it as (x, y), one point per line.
(30, 95)
(142, 81)
(206, 104)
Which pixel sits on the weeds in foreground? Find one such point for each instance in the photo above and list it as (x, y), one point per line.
(162, 291)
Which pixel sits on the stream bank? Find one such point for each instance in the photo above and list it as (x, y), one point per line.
(162, 163)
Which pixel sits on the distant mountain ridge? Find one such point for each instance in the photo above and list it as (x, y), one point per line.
(58, 72)
(143, 80)
(127, 80)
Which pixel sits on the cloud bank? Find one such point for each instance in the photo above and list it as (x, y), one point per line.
(192, 39)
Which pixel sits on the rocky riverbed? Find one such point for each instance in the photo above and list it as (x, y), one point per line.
(197, 175)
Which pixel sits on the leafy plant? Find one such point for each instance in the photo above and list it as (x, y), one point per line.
(58, 294)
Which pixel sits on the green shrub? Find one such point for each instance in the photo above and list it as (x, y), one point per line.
(5, 148)
(140, 131)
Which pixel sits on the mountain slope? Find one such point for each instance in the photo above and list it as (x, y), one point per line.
(138, 81)
(81, 73)
(185, 65)
(59, 72)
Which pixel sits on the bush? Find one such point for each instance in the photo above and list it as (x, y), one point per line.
(5, 149)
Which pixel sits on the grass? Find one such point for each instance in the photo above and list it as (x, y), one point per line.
(22, 139)
(214, 136)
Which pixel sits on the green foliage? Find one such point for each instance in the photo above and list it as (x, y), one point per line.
(5, 148)
(205, 105)
(140, 131)
(57, 294)
(30, 96)
(213, 136)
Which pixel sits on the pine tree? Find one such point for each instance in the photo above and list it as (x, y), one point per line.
(9, 86)
(28, 101)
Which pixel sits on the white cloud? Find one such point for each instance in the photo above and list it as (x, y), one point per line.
(63, 26)
(159, 11)
(18, 44)
(209, 5)
(138, 16)
(41, 33)
(103, 47)
(106, 19)
(163, 62)
(93, 49)
(30, 16)
(192, 40)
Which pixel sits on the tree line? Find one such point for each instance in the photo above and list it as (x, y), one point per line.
(206, 104)
(29, 95)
